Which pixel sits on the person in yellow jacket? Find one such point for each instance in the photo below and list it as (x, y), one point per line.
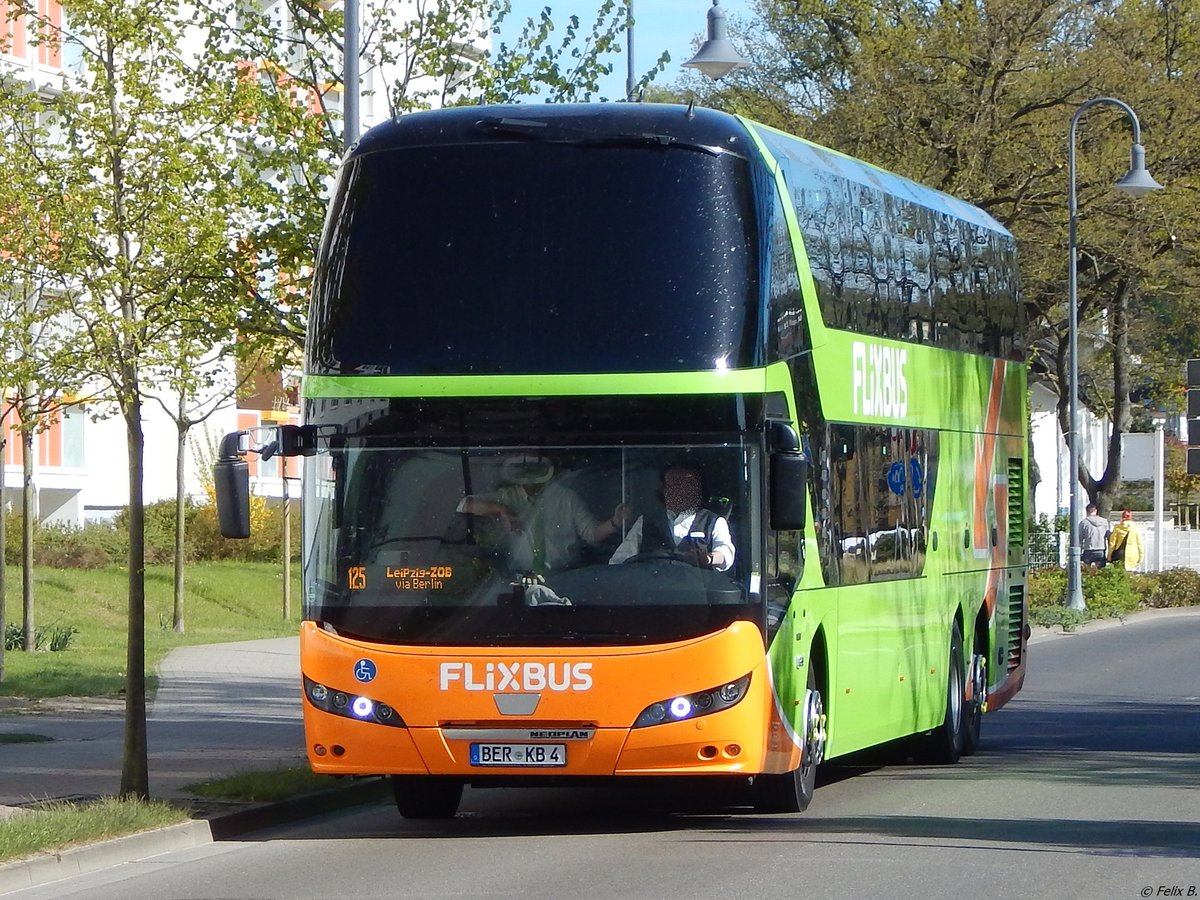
(1125, 543)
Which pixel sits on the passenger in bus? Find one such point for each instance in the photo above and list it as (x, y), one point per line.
(549, 525)
(681, 524)
(521, 478)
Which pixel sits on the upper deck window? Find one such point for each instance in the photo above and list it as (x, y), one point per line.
(538, 257)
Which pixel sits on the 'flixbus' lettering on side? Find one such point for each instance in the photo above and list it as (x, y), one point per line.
(880, 387)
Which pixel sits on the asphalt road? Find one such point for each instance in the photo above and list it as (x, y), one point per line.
(1087, 785)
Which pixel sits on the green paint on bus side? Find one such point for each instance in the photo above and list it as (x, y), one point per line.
(884, 633)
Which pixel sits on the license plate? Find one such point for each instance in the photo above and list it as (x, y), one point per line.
(518, 754)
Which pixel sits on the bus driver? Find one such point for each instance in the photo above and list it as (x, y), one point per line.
(686, 526)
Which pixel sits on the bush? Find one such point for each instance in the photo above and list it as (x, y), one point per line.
(265, 543)
(1173, 587)
(99, 544)
(1110, 592)
(63, 546)
(58, 637)
(160, 530)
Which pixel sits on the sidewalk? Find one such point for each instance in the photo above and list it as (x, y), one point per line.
(220, 709)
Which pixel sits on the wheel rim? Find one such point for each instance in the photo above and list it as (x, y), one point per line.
(979, 682)
(814, 729)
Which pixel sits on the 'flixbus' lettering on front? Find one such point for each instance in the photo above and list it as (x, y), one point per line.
(517, 676)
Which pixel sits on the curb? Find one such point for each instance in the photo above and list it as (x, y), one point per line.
(57, 865)
(1046, 633)
(47, 867)
(255, 818)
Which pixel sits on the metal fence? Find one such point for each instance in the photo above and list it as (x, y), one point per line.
(1181, 549)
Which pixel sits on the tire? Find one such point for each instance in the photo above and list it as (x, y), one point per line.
(792, 792)
(427, 796)
(946, 741)
(973, 715)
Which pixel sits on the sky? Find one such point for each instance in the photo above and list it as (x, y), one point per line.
(659, 25)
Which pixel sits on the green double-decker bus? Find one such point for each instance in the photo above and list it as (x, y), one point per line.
(644, 440)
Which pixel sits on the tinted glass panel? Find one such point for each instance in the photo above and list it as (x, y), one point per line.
(873, 490)
(507, 546)
(893, 258)
(532, 257)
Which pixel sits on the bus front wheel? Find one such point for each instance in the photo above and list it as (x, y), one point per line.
(793, 791)
(427, 796)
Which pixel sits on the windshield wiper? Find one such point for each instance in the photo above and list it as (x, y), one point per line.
(546, 132)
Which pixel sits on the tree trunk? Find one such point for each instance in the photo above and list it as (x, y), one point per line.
(1109, 486)
(135, 772)
(29, 516)
(180, 494)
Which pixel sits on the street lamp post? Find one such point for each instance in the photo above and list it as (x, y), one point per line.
(351, 88)
(630, 83)
(1137, 182)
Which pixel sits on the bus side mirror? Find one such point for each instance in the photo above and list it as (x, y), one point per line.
(789, 491)
(231, 478)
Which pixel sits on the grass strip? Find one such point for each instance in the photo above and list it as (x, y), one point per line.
(18, 738)
(60, 824)
(224, 602)
(263, 786)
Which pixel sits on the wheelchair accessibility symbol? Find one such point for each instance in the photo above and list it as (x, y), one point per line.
(364, 670)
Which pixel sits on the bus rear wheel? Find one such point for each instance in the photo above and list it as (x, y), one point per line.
(793, 791)
(973, 722)
(427, 796)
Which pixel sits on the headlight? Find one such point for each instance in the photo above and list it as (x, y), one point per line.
(350, 706)
(692, 706)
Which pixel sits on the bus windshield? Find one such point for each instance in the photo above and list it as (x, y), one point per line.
(521, 545)
(515, 257)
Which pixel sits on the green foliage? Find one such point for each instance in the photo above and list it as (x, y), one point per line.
(1110, 592)
(160, 529)
(65, 547)
(100, 544)
(264, 786)
(1174, 587)
(47, 637)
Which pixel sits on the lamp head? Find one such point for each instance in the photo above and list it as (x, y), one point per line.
(716, 57)
(1137, 182)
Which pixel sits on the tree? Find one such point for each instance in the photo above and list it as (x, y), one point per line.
(145, 183)
(188, 188)
(975, 99)
(196, 382)
(413, 57)
(35, 367)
